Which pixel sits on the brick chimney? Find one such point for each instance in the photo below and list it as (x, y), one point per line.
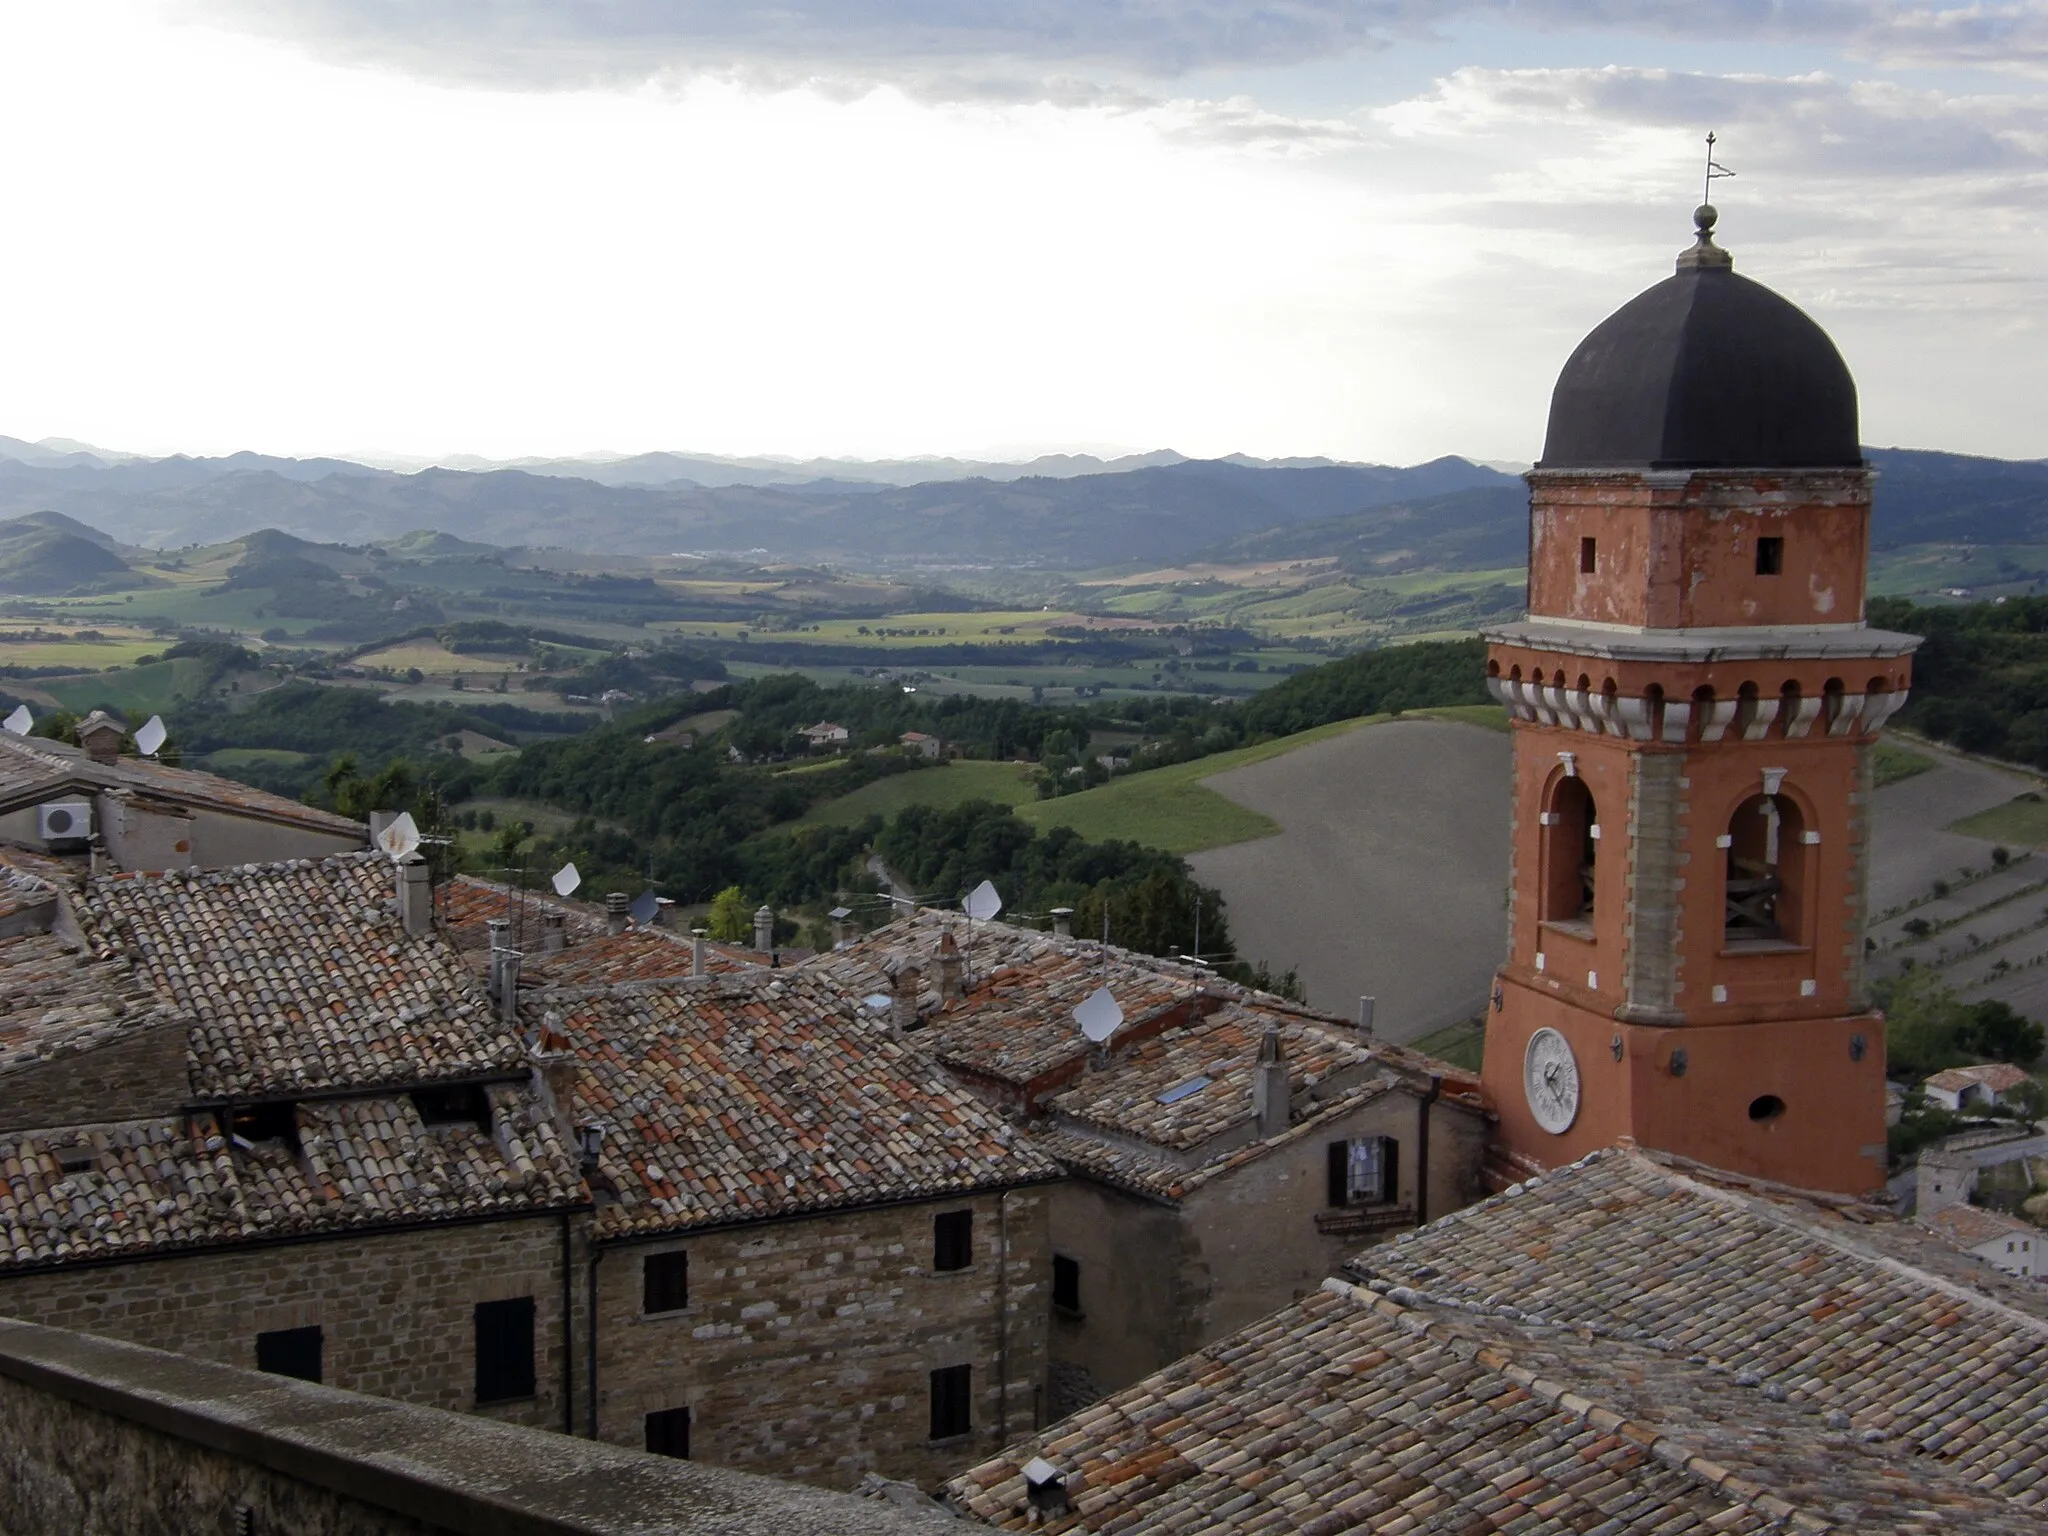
(554, 932)
(664, 912)
(1063, 922)
(1269, 1087)
(764, 929)
(952, 971)
(101, 734)
(415, 896)
(697, 951)
(618, 911)
(903, 989)
(554, 1075)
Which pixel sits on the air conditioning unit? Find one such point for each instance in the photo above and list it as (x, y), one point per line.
(64, 821)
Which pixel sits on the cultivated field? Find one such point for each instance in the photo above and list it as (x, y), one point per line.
(944, 786)
(1389, 875)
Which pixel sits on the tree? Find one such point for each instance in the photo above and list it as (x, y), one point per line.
(1924, 1022)
(732, 917)
(1998, 1033)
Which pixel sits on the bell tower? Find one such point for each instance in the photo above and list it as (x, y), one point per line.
(1695, 697)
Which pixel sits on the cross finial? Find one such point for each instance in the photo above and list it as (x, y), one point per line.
(1703, 252)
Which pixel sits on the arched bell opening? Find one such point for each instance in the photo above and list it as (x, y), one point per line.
(1570, 848)
(1765, 893)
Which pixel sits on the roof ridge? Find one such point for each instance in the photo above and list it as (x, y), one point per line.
(1656, 1441)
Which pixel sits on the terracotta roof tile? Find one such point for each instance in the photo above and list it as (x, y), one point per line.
(764, 1094)
(1627, 1346)
(100, 1191)
(297, 978)
(1998, 1076)
(1969, 1225)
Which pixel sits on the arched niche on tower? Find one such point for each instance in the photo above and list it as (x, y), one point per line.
(1571, 845)
(1768, 871)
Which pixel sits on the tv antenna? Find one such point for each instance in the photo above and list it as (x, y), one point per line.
(1715, 171)
(399, 838)
(151, 738)
(566, 879)
(20, 723)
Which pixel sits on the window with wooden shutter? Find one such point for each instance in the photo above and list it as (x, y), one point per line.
(665, 1282)
(290, 1352)
(504, 1349)
(952, 1401)
(668, 1432)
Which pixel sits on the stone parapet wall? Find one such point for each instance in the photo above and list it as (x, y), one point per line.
(101, 1438)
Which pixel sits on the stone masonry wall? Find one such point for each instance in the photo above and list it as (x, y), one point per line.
(129, 1079)
(396, 1310)
(807, 1346)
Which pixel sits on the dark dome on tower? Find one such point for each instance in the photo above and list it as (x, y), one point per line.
(1706, 370)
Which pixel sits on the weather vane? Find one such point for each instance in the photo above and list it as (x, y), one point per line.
(1715, 171)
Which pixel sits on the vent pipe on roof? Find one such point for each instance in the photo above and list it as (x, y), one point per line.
(697, 951)
(508, 986)
(1269, 1087)
(554, 932)
(500, 930)
(764, 928)
(617, 912)
(1366, 1005)
(415, 896)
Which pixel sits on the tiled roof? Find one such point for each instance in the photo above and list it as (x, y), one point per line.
(1998, 1076)
(1969, 1225)
(764, 1094)
(465, 904)
(1619, 1346)
(54, 1001)
(298, 978)
(32, 768)
(157, 1184)
(1016, 1021)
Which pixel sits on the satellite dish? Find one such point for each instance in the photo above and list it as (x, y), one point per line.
(567, 879)
(982, 902)
(645, 907)
(1098, 1015)
(20, 723)
(150, 739)
(399, 837)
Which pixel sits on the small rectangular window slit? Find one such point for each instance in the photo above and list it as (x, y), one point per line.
(1770, 557)
(1588, 556)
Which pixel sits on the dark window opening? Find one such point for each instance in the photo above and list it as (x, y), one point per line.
(1588, 556)
(1364, 1171)
(463, 1104)
(252, 1123)
(953, 1240)
(75, 1159)
(290, 1352)
(665, 1282)
(668, 1433)
(1066, 1283)
(952, 1401)
(1767, 1107)
(1570, 854)
(504, 1349)
(1770, 557)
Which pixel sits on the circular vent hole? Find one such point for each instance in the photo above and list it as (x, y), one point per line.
(1766, 1107)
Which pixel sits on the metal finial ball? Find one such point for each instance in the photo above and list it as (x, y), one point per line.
(1703, 218)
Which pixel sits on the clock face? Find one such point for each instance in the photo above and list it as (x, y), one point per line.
(1550, 1081)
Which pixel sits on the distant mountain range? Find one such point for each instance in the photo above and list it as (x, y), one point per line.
(1154, 509)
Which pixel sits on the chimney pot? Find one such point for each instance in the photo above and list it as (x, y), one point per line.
(903, 992)
(554, 1071)
(554, 932)
(697, 951)
(101, 734)
(1366, 1007)
(618, 911)
(415, 897)
(952, 971)
(1063, 922)
(764, 928)
(500, 930)
(508, 986)
(664, 912)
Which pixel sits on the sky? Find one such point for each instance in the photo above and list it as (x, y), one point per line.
(1366, 229)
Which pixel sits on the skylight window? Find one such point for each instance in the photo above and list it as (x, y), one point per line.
(1188, 1089)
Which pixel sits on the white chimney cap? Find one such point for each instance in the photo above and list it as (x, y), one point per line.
(1040, 1471)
